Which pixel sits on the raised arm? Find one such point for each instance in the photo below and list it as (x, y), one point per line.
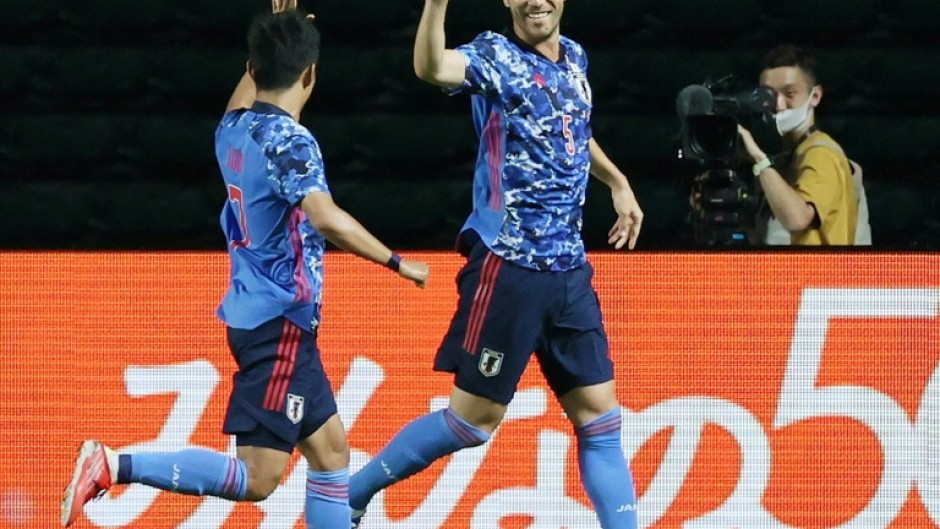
(434, 63)
(245, 92)
(626, 230)
(341, 229)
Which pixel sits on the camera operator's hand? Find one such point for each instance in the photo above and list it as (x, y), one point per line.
(753, 150)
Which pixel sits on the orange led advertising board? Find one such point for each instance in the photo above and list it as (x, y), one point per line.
(760, 390)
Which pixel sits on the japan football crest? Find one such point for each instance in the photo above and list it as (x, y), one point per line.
(581, 83)
(490, 362)
(295, 408)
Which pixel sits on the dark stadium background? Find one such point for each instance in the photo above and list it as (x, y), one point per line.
(108, 110)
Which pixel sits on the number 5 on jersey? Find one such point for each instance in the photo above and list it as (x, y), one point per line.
(569, 136)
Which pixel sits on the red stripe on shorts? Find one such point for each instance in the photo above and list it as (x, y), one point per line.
(481, 302)
(283, 367)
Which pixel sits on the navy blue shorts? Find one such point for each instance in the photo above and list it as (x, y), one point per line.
(280, 393)
(507, 312)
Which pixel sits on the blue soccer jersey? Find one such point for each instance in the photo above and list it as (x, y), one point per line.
(270, 163)
(533, 117)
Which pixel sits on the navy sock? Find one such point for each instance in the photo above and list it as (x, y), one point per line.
(194, 472)
(605, 473)
(414, 448)
(124, 469)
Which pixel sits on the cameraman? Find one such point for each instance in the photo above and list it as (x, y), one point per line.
(808, 188)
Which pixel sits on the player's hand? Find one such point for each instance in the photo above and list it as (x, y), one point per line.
(278, 6)
(629, 220)
(415, 271)
(753, 150)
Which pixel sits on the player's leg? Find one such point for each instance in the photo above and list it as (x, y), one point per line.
(577, 365)
(327, 492)
(423, 441)
(266, 407)
(251, 476)
(202, 472)
(604, 471)
(487, 349)
(278, 362)
(321, 438)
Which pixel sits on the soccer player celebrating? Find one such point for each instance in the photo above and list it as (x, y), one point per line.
(277, 218)
(526, 285)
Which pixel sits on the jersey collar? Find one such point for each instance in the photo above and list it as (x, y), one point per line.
(260, 107)
(511, 35)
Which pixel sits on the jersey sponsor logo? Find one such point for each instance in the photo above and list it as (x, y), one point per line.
(490, 362)
(295, 408)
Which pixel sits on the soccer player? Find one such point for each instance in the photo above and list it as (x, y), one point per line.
(277, 219)
(526, 285)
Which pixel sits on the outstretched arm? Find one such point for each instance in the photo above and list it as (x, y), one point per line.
(434, 63)
(626, 229)
(341, 229)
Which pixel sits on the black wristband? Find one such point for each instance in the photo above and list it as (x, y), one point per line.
(394, 262)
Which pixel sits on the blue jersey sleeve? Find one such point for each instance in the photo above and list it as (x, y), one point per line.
(486, 58)
(296, 168)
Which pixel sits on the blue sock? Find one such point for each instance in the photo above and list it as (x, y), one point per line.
(414, 448)
(327, 504)
(605, 473)
(194, 472)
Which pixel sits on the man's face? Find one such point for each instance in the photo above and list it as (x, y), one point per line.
(535, 20)
(791, 85)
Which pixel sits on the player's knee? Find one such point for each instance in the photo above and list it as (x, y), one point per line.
(260, 487)
(327, 449)
(585, 404)
(337, 447)
(470, 434)
(262, 479)
(489, 418)
(331, 457)
(480, 412)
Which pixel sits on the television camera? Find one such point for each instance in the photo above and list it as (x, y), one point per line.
(722, 199)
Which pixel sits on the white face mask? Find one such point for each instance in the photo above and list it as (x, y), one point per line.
(792, 119)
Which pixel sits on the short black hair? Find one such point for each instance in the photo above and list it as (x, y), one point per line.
(280, 47)
(792, 55)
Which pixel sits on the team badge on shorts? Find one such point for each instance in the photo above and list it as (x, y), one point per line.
(295, 408)
(490, 362)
